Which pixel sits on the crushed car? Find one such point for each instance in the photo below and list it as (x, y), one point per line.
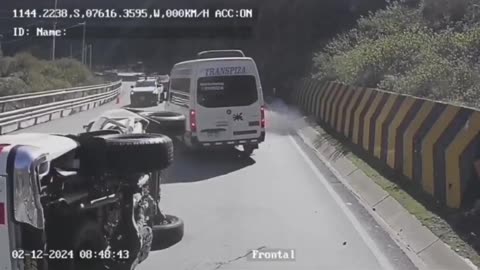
(89, 200)
(135, 120)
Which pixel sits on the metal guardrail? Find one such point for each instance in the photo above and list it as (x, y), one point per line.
(15, 102)
(12, 97)
(70, 101)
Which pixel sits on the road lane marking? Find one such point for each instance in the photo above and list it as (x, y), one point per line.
(380, 257)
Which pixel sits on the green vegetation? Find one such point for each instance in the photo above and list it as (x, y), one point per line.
(427, 48)
(23, 73)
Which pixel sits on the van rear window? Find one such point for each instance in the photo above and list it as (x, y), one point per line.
(226, 91)
(180, 84)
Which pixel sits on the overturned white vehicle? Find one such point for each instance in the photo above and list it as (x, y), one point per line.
(86, 201)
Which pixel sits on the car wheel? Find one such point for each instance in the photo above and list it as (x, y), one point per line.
(126, 153)
(247, 150)
(35, 264)
(167, 234)
(169, 123)
(33, 239)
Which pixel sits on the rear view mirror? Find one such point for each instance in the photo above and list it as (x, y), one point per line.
(132, 86)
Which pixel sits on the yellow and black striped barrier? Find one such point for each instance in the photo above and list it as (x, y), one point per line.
(431, 143)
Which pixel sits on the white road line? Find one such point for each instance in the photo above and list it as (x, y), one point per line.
(381, 258)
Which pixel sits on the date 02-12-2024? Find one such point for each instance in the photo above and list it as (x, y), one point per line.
(69, 254)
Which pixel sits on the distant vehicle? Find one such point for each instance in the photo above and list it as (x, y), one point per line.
(223, 100)
(164, 78)
(145, 93)
(164, 81)
(130, 76)
(220, 54)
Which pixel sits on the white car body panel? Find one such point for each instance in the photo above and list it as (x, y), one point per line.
(52, 145)
(5, 246)
(134, 122)
(3, 159)
(120, 115)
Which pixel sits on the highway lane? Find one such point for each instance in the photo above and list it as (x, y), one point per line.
(282, 197)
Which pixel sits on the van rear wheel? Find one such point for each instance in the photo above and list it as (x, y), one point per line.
(248, 150)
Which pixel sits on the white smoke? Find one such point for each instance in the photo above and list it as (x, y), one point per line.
(281, 118)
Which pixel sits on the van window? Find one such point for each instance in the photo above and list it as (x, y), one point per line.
(180, 84)
(226, 91)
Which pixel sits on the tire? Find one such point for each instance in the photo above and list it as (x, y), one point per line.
(126, 153)
(169, 123)
(100, 133)
(247, 151)
(88, 236)
(32, 264)
(34, 239)
(167, 235)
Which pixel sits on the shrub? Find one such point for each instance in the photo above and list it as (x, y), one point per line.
(12, 86)
(7, 66)
(400, 49)
(41, 75)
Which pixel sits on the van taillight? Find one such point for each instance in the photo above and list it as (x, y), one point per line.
(3, 210)
(262, 112)
(3, 146)
(2, 214)
(193, 121)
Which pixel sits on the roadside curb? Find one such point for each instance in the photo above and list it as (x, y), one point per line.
(424, 248)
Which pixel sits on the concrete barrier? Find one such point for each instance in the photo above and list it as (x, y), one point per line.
(430, 143)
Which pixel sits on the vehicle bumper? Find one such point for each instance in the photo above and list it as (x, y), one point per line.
(193, 142)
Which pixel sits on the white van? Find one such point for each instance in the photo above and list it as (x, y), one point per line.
(223, 101)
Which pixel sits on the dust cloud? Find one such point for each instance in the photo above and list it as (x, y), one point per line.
(281, 118)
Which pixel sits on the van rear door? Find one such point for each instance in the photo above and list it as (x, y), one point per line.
(228, 107)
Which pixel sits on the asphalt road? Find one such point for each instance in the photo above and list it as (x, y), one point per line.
(281, 198)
